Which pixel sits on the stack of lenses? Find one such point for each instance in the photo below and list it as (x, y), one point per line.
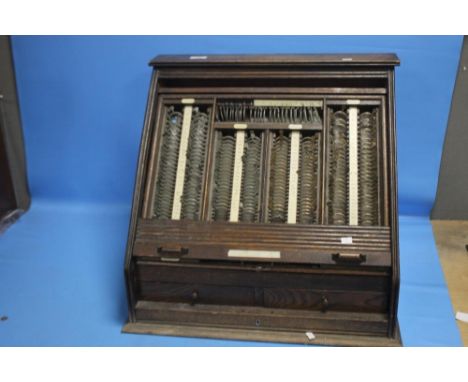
(250, 178)
(223, 176)
(367, 169)
(195, 165)
(278, 203)
(338, 169)
(308, 174)
(168, 165)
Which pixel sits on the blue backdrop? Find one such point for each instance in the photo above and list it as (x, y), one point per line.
(82, 101)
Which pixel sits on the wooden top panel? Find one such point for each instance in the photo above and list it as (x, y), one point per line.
(381, 59)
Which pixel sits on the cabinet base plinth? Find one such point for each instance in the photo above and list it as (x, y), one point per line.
(165, 329)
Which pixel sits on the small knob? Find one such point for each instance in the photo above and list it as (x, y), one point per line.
(194, 296)
(324, 303)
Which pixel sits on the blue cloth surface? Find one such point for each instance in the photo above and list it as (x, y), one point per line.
(82, 101)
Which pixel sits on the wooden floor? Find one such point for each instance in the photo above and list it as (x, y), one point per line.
(451, 239)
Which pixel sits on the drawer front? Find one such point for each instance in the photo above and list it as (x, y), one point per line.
(196, 293)
(325, 299)
(270, 288)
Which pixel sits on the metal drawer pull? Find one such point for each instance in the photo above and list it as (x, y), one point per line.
(349, 257)
(324, 304)
(173, 250)
(194, 297)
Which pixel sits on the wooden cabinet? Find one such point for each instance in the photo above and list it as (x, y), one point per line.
(14, 192)
(265, 204)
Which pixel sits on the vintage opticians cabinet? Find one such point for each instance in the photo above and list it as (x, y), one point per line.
(265, 204)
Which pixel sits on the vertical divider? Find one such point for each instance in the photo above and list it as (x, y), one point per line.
(293, 176)
(209, 168)
(268, 142)
(322, 205)
(260, 210)
(181, 163)
(378, 165)
(318, 193)
(353, 191)
(385, 165)
(237, 176)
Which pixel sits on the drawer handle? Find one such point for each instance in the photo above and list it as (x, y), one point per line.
(194, 297)
(349, 258)
(324, 304)
(172, 250)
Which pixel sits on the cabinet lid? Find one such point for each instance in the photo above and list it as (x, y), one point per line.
(380, 59)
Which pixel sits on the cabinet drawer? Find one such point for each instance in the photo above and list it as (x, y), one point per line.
(270, 288)
(196, 293)
(324, 300)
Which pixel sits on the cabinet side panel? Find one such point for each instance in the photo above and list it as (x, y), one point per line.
(393, 206)
(139, 186)
(13, 177)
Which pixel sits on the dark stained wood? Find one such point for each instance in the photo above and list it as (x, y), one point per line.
(7, 193)
(347, 60)
(207, 98)
(14, 192)
(296, 337)
(324, 300)
(260, 73)
(265, 276)
(273, 90)
(393, 201)
(253, 317)
(196, 293)
(279, 287)
(279, 297)
(137, 208)
(180, 279)
(298, 243)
